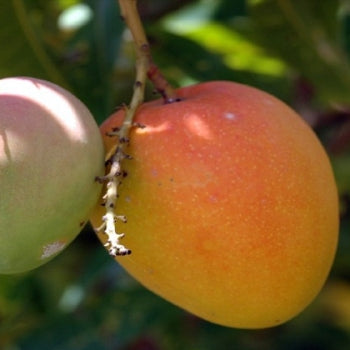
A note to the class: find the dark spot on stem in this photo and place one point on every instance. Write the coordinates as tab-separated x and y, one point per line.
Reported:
99	179
124	140
139	125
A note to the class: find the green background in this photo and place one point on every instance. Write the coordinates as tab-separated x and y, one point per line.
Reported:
297	50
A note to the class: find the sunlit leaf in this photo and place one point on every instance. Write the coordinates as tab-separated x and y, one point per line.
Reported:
200	63
237	52
305	35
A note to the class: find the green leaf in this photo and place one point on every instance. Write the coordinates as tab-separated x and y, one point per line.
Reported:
22	51
90	55
306	34
198	62
82	61
341	167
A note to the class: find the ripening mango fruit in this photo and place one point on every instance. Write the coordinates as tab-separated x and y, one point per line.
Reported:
51	151
231	204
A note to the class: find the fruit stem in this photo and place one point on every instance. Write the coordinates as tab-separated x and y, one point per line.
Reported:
144	58
145	67
117	154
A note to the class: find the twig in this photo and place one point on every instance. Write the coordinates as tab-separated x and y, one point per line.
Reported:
115	157
118	153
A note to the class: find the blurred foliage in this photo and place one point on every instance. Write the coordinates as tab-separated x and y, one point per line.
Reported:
298	50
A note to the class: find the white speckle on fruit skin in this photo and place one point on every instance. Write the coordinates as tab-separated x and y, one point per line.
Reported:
268	102
230	116
51	249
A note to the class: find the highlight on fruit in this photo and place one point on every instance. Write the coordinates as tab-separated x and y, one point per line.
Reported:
231	205
51	152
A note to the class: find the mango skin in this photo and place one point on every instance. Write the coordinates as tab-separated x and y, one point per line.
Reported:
51	151
231	203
